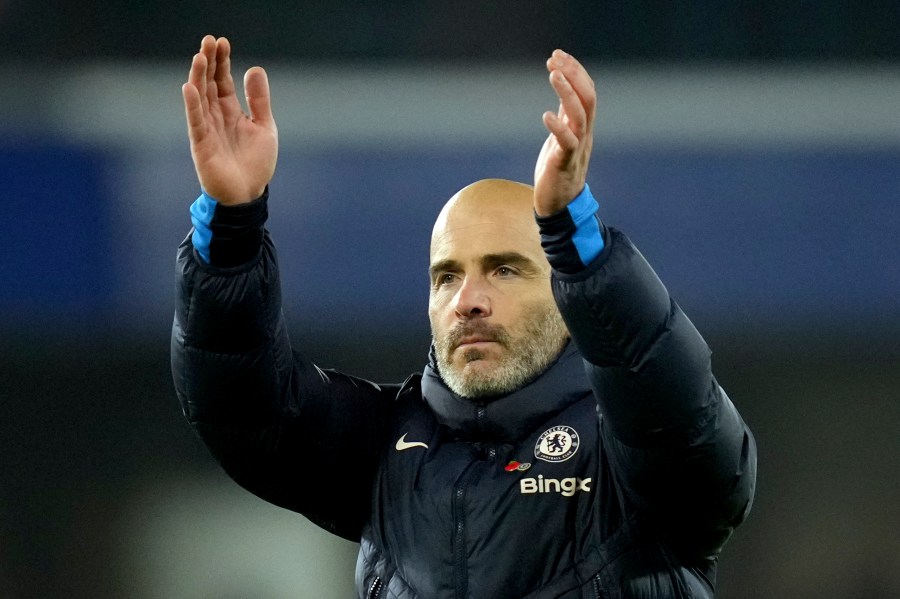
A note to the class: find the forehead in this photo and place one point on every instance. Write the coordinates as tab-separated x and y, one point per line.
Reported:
467	231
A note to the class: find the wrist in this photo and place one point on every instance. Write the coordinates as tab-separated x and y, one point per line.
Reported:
565	192
228	235
231	197
573	237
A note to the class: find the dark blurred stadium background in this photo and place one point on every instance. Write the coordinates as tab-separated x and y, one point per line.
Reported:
751	149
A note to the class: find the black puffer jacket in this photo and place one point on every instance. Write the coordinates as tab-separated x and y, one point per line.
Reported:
619	472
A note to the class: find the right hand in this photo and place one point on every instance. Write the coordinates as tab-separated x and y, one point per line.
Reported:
234	153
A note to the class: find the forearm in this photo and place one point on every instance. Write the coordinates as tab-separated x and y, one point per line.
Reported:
616	307
230	349
612	301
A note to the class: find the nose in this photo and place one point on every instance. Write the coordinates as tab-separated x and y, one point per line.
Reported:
473	299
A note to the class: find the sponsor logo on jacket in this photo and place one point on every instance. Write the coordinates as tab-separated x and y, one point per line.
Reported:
564	486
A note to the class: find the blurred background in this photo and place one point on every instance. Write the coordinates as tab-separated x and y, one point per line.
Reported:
750	149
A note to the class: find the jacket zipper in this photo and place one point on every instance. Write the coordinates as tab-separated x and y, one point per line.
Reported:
460	563
375	588
598	591
459	537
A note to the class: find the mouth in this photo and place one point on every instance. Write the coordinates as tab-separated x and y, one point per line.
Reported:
474	341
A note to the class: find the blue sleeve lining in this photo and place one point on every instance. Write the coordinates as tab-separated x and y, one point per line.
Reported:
202	212
588	237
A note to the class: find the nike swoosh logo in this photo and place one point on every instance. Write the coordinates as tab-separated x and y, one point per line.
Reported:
402	443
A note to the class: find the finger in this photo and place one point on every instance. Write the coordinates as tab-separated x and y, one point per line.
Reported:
574	71
197	76
565	138
578	78
208	49
193	112
224	81
256	89
571	106
225	90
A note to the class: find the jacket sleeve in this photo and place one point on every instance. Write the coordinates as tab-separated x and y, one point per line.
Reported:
677	445
298	436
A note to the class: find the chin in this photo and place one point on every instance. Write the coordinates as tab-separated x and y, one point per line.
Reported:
476	367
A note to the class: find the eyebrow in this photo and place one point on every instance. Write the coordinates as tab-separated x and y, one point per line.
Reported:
488	261
511	258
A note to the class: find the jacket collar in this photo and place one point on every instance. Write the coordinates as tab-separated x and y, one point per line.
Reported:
508	417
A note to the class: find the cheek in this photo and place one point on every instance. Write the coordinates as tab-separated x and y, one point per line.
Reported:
438	303
435	312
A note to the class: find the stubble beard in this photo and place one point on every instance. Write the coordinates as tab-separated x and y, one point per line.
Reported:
524	357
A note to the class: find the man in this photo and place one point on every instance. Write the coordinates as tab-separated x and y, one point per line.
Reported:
567	437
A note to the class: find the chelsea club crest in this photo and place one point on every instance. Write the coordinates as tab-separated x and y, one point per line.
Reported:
556	444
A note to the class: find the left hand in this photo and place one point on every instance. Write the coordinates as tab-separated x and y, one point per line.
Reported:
562	165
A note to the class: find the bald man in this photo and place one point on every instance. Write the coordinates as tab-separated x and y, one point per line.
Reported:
567	437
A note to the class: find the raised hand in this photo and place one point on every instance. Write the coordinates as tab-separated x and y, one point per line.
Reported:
234	153
562	165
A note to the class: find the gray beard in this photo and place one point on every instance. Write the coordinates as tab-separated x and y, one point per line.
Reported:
526	357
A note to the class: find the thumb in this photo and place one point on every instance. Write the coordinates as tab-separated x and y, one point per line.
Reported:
256	89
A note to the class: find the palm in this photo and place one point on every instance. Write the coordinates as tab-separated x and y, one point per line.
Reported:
236	158
234	153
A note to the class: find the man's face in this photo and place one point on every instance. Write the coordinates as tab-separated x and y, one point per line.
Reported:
494	322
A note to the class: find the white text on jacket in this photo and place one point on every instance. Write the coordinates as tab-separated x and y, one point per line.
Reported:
566	487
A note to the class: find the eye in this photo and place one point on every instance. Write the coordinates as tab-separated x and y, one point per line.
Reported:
505	271
444	278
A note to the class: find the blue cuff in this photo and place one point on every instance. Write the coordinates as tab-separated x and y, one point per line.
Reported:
202	211
587	238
